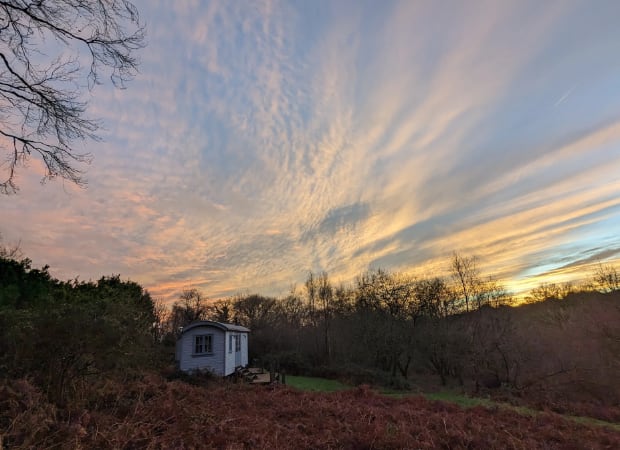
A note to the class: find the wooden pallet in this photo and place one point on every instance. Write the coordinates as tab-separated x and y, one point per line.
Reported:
257	375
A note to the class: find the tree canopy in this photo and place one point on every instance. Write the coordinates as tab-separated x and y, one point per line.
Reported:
61	334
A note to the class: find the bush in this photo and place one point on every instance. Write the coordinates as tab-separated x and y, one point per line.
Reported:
90	329
195	377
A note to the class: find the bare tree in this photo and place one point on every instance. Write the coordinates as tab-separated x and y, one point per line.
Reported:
465	274
44	46
221	311
546	291
493	293
11	252
475	290
385	305
190	307
161	313
434	298
311	290
607	278
326	296
254	311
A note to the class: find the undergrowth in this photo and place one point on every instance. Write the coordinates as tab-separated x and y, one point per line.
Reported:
155	413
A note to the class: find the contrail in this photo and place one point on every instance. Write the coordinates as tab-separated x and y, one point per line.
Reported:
565	96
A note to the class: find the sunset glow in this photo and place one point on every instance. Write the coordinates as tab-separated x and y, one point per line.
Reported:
264	139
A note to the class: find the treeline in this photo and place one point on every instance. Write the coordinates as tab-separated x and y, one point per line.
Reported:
64	335
391	328
385	328
81	362
370	324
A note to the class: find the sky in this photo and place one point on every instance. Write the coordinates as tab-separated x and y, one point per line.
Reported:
262	140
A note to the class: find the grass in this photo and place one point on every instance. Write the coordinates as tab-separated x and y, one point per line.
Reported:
315	384
459	399
326	385
469	402
591	421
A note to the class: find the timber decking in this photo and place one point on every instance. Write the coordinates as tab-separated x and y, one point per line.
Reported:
257	375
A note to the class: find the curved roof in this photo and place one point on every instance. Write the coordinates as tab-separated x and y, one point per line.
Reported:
221	326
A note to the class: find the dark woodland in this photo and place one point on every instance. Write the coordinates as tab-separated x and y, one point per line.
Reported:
91	364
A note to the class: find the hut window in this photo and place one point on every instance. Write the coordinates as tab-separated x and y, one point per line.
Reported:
203	344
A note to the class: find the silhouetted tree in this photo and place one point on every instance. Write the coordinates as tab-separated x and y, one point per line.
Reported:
465	274
439	342
384	304
546	291
434	298
326	299
191	306
473	288
607	278
221	311
259	314
42	47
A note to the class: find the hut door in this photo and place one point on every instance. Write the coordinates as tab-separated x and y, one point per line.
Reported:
237	350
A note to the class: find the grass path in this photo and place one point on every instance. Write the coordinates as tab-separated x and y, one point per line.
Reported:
315	384
470	402
326	385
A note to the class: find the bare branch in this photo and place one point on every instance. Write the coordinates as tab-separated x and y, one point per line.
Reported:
41	111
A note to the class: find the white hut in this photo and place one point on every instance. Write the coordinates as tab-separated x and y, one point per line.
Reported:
220	348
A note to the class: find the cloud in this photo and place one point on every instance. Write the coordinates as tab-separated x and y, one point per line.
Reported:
265	139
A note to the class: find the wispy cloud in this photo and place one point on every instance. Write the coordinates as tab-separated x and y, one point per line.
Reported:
265	139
